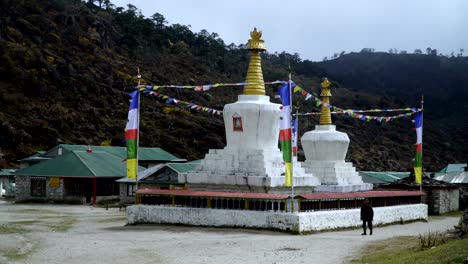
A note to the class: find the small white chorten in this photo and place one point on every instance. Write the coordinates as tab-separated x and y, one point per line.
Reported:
325	151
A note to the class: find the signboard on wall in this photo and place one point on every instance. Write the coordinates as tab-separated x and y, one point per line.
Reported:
54	182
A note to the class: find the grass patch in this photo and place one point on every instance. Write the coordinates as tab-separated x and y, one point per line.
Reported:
26	222
12	229
20	252
449	214
63	224
454	213
113	219
406	250
35	211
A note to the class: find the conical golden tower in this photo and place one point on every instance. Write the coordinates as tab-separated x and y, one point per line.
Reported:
325	115
254	73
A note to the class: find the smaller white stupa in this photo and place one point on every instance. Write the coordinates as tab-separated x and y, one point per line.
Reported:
325	152
251	160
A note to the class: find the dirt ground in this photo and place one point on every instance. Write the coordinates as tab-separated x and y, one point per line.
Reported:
38	233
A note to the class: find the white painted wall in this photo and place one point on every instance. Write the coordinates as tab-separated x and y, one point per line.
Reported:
297	222
323	220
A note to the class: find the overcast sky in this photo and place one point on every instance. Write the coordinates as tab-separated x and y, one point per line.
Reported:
316	29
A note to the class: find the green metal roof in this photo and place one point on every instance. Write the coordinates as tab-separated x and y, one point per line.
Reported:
195	161
79	164
368	179
182	167
383	177
454	177
177	167
34	157
144	154
454	167
7	172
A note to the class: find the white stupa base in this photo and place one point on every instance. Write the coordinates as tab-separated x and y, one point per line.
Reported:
333	172
336	176
245	167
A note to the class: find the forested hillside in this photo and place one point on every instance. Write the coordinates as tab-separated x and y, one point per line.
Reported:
66	67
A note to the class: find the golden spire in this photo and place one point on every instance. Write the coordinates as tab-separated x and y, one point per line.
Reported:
254	73
325	115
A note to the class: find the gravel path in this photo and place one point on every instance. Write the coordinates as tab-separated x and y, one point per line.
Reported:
84	234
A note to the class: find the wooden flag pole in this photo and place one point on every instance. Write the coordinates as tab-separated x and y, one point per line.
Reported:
138	130
292	159
422	171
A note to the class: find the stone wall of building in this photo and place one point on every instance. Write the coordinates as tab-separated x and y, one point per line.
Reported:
295	222
23	188
54	192
124	198
444	200
463	201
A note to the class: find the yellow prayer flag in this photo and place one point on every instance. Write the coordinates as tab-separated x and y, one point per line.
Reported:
288	175
418	174
131	168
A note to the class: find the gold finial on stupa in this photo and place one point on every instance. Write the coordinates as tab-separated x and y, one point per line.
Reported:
254	73
325	115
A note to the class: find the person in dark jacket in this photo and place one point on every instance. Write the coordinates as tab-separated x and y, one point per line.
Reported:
367	215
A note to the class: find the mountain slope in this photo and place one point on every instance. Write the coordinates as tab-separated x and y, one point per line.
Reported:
66	68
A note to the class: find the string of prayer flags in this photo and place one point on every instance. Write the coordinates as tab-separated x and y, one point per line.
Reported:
174	101
362	117
200	88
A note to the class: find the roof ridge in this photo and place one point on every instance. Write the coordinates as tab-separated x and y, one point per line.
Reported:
169	165
86	164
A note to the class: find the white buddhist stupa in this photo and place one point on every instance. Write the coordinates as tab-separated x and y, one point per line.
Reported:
242	185
325	151
251	160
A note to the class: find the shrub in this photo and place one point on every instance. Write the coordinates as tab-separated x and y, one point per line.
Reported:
432	239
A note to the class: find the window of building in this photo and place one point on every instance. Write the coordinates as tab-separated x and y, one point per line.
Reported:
38	187
237	123
131	189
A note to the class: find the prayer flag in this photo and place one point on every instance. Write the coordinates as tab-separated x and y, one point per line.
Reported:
285	131
131	136
418	122
294	136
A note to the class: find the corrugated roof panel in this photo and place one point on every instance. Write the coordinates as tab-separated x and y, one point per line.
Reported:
454	177
456	167
79	164
151	153
386	176
7	171
64	165
102	164
373	180
183	167
144	154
